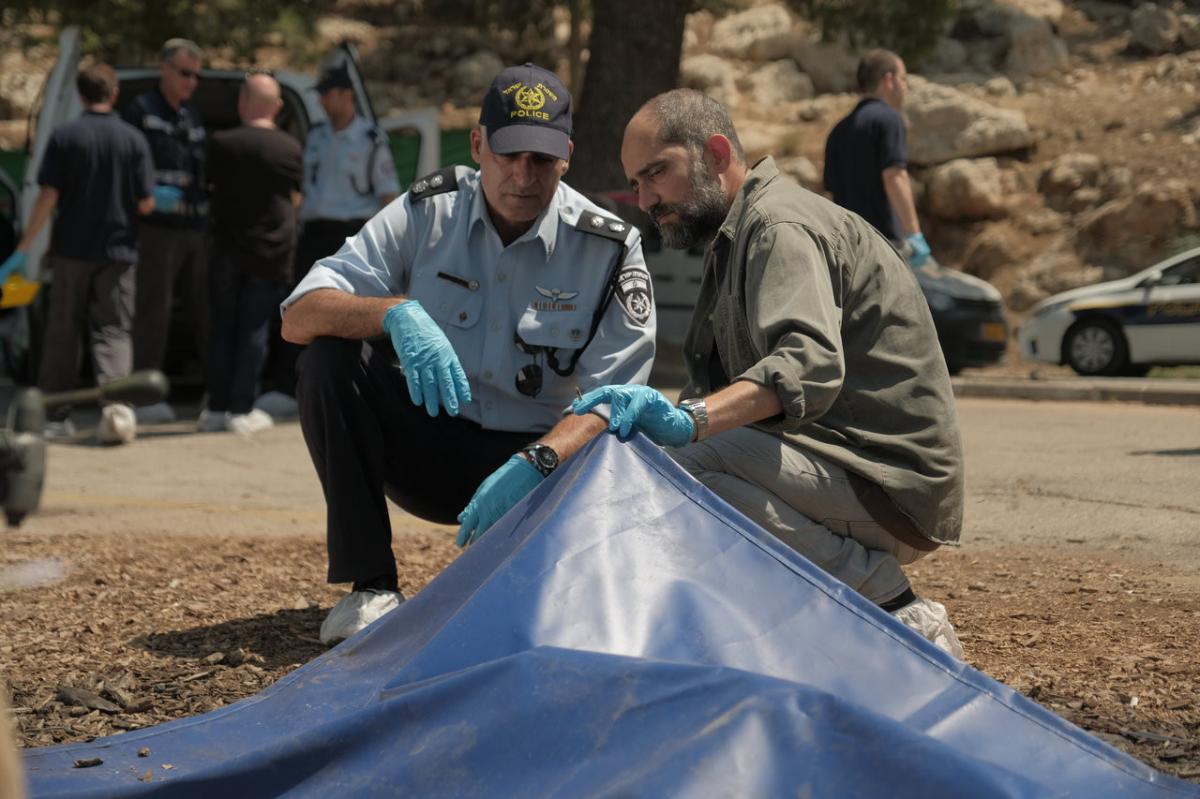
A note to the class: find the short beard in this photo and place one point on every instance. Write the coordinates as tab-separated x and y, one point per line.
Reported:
699	216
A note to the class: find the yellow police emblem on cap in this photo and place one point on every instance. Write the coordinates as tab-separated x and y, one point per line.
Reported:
530	98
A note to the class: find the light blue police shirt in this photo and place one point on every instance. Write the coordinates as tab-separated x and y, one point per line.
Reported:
443	251
342	179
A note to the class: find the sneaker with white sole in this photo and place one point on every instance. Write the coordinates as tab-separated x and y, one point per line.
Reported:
355	611
212	421
247	424
118	425
277	405
158	413
929	618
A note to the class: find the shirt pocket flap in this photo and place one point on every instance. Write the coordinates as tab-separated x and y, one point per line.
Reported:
554	329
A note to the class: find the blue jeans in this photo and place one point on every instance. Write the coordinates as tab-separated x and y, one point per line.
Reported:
241	309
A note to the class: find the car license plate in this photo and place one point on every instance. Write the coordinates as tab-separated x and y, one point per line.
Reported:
993	331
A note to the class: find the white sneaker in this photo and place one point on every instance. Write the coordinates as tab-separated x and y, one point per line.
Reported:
212	421
930	620
158	413
118	425
277	405
247	424
355	611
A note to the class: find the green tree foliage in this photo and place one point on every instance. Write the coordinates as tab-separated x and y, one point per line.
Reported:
908	27
132	31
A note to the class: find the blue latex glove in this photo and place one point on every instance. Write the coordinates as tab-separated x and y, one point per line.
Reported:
431	368
919	250
503	488
13	263
166	198
643	408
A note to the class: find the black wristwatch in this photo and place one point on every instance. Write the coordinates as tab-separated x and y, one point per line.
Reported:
543	458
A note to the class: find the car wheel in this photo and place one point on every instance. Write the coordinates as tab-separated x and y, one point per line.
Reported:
1095	347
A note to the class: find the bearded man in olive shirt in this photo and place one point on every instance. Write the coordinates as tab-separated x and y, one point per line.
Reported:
818	403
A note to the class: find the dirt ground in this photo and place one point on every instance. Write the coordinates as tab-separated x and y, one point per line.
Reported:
144	631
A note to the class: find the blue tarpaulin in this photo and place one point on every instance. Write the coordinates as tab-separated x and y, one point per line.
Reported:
622	632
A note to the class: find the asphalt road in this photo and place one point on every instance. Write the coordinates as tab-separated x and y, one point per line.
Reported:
1119	477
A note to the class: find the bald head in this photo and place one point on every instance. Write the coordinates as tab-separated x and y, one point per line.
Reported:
259	100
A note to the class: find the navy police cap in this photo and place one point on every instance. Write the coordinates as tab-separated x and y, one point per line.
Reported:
527	109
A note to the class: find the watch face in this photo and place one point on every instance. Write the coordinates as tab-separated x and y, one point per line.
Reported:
544	458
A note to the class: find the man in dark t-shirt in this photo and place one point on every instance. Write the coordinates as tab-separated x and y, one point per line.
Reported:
97	173
866	157
255	172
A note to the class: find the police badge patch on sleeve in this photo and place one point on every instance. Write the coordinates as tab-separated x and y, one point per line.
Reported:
633	292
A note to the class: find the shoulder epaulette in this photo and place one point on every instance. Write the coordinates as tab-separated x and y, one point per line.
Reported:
439	182
605	226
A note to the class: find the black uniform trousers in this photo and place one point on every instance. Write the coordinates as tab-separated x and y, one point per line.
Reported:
318	238
369	441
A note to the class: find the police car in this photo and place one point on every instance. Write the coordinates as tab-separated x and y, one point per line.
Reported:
216	100
1122	327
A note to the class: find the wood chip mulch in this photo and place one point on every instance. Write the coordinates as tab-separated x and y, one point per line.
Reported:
144	631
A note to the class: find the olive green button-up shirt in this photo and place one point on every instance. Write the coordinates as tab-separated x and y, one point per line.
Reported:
808	299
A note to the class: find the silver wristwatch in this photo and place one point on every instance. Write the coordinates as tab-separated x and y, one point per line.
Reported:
698	410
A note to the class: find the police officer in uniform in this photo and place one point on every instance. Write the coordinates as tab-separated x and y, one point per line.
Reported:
349	175
172	245
500	292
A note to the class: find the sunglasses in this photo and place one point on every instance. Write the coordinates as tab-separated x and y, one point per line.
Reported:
529	377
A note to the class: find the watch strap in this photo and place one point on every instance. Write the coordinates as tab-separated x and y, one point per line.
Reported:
542	457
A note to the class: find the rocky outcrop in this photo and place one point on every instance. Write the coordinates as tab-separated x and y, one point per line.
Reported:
778	82
831	65
1154	29
945	124
1136	229
710	74
966	189
759	34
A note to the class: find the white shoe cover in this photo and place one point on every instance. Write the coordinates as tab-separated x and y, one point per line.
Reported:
930	620
248	424
118	425
355	611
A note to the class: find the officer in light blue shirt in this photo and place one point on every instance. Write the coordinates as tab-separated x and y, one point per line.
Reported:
502	292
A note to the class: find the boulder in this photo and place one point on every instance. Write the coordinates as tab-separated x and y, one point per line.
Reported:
779	82
945	124
1034	49
712	75
760	34
1132	231
947	57
831	65
1067	174
966	189
471	76
1000	86
991	252
1154	29
1189	31
1050	11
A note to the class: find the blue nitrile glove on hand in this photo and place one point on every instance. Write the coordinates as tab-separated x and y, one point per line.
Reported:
13	263
166	198
640	407
430	366
495	496
919	250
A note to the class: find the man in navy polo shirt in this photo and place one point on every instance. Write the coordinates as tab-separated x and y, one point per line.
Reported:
866	157
98	175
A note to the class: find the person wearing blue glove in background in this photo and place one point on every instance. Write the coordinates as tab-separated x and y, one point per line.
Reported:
866	156
817	400
173	246
96	178
499	293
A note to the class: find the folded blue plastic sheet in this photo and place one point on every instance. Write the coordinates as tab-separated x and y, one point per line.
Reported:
621	632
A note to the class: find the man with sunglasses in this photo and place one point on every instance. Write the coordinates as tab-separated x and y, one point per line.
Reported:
171	246
502	292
